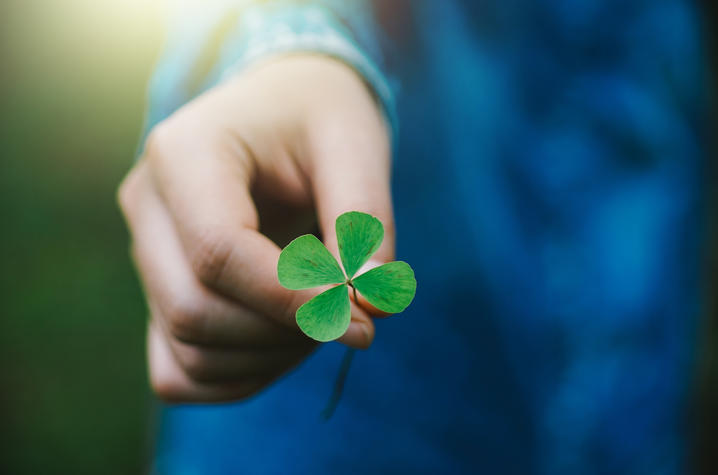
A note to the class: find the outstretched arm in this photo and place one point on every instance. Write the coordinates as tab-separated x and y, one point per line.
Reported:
246	164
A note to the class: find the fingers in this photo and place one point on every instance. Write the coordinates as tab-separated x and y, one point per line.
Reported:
207	194
205	189
231	364
172	384
192	313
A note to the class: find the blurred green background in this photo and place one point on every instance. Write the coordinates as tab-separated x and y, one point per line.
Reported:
73	391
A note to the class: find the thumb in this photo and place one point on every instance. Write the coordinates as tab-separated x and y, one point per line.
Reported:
351	172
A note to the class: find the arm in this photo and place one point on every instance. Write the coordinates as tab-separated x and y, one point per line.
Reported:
290	136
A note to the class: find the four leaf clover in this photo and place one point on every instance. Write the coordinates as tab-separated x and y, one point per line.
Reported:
305	263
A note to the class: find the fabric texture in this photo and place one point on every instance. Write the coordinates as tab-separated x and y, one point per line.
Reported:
258	31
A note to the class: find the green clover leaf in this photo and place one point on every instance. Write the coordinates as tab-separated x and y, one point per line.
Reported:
389	287
305	263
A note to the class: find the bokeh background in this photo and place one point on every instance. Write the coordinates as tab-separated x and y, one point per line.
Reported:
73	391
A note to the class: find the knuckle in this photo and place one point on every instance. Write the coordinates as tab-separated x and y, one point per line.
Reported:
166	388
159	138
126	191
196	364
209	257
186	319
165	383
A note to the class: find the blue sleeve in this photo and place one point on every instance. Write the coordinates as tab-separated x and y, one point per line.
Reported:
344	30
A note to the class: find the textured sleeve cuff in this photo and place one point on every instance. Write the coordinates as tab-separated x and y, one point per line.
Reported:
267	30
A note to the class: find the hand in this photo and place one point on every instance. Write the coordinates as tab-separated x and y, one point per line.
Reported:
222	183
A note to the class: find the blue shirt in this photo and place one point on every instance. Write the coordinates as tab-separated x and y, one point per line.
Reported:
549	193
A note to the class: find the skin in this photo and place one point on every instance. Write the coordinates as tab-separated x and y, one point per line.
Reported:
224	182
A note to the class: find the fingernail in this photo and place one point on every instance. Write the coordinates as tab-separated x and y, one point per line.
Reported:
370	264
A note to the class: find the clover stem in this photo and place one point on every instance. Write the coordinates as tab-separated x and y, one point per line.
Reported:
339	384
354	291
342	374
